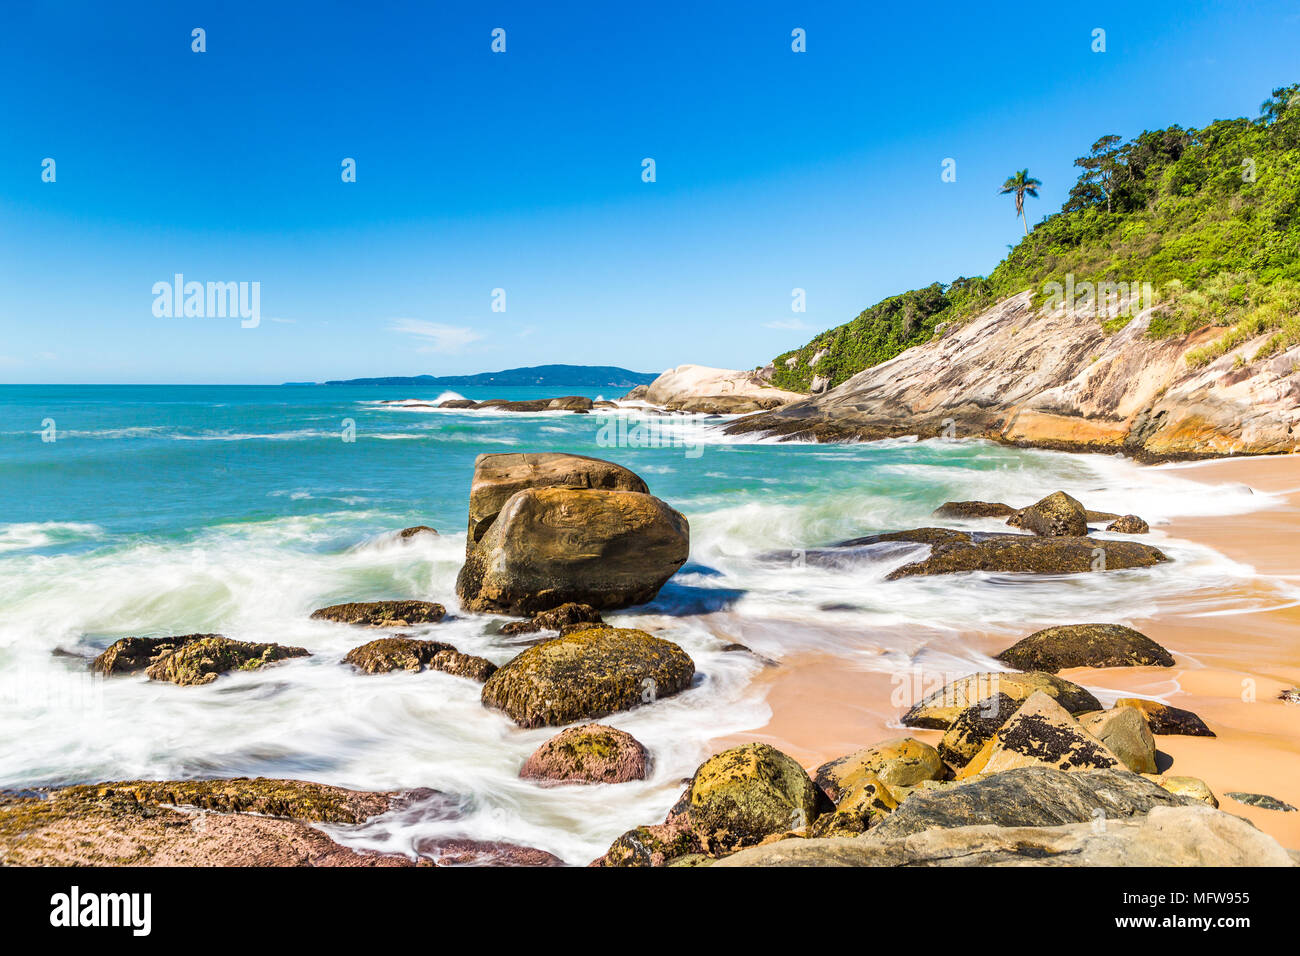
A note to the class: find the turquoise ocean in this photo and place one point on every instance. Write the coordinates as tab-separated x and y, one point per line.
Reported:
161	510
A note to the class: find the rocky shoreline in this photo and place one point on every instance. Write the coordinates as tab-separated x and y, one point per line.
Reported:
1031	767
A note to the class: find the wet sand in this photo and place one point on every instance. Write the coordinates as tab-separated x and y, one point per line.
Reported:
1229	668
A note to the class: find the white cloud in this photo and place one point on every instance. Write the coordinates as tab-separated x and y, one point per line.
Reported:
793	324
438	336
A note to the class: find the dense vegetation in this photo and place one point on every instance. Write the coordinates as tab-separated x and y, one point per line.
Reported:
1208	217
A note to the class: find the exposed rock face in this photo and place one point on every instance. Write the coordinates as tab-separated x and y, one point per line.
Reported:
1163	719
405	653
458	852
974	509
1085	645
1125	733
382	613
974	727
592	753
1041	733
697	388
1195	836
1129	524
744	794
204	660
1058	380
545	530
959	552
940	709
1029	797
903	762
1056	516
132	654
588	674
250	823
556	619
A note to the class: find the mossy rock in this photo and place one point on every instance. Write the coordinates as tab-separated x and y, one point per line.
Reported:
593	753
1041	734
1129	524
556	619
744	794
203	661
659	845
382	613
408	654
1057	515
973	509
861	806
958	552
1085	645
132	654
901	762
940	709
586	675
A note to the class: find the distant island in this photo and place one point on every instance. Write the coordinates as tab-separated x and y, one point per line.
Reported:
582	376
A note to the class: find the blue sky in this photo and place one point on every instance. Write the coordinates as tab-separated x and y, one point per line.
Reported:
522	171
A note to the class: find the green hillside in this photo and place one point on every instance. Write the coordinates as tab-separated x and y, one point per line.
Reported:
1208	217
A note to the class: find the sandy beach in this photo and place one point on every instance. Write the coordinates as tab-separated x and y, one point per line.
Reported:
1230	665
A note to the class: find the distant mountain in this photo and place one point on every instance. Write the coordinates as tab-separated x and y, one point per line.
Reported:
578	376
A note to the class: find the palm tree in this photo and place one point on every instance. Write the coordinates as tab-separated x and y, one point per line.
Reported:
1022	184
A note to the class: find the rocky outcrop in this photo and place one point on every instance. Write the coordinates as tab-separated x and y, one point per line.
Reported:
958	552
1057	379
242	822
1195	836
132	654
1030	797
698	388
445	851
415	531
1129	524
1085	645
937	711
556	619
592	753
565	403
1163	719
408	654
382	613
1261	800
974	509
204	660
587	674
549	529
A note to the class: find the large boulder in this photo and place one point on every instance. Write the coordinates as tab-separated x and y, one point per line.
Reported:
1085	645
132	654
203	661
938	710
1125	733
587	674
1041	733
592	753
1193	836
744	794
382	613
974	727
545	530
239	822
903	762
861	806
698	388
1163	719
1030	797
1058	515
